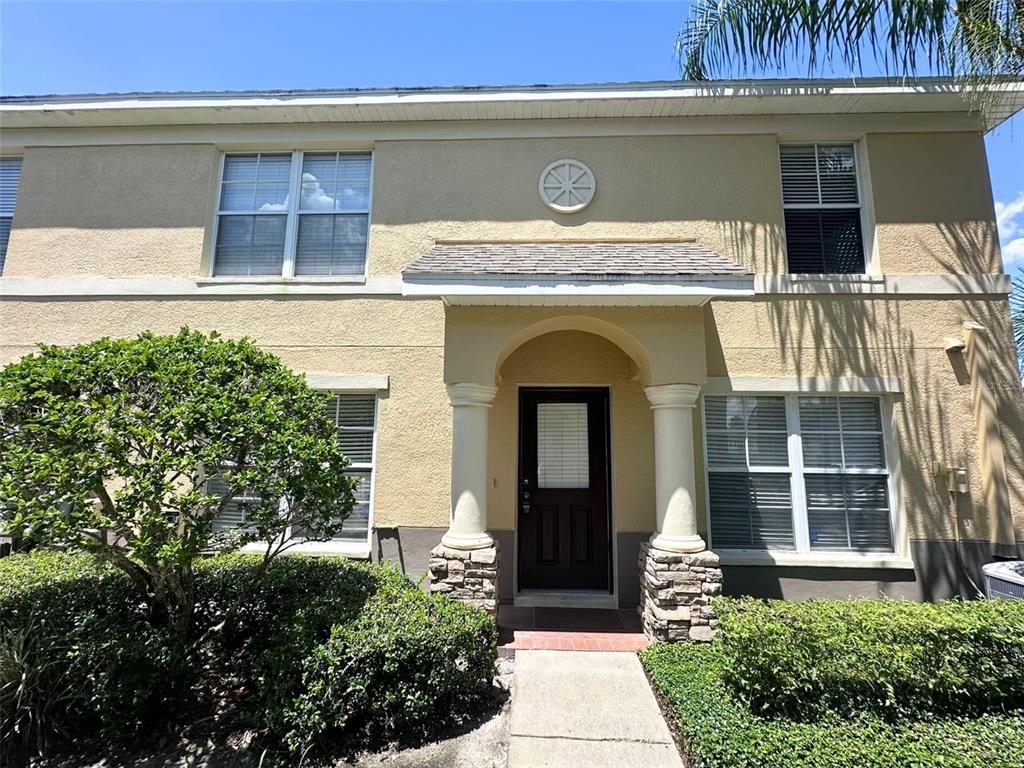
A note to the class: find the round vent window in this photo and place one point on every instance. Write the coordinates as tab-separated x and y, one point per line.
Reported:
567	186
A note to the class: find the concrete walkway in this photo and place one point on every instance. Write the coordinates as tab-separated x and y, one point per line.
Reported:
573	709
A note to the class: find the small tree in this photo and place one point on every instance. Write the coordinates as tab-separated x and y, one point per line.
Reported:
131	448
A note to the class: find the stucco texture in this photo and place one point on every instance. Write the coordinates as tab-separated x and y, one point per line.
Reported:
905	339
127	211
933	203
399	338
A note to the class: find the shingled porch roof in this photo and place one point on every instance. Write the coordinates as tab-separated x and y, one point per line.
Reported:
580	259
575	272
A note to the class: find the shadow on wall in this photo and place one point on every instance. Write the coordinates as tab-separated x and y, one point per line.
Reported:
822	336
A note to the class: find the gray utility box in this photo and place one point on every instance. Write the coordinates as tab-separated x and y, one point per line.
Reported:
1005	579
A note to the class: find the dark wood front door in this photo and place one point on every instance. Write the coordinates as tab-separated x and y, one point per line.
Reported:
563	489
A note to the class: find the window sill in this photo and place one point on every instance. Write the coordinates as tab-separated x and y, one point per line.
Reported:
815	560
278	280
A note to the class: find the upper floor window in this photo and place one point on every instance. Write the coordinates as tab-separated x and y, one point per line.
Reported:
295	213
822	208
798	473
10	177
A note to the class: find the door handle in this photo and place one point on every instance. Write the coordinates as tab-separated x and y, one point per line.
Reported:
525	502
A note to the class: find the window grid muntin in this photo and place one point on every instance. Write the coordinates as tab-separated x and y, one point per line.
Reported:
292	212
858	206
799	502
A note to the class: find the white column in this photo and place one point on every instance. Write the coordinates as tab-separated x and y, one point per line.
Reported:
674	473
471	404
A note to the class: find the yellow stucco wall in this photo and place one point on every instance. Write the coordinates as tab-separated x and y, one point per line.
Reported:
119	211
400	338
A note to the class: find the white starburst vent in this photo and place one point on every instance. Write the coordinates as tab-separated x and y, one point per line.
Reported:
567	186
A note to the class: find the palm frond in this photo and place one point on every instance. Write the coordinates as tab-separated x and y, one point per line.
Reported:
1017	317
978	40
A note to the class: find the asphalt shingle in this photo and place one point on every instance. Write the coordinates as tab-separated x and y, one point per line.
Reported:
574	259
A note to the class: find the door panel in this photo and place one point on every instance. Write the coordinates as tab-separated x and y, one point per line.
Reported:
563	521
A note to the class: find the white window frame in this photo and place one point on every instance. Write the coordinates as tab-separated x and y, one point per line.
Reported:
803	555
292	213
860	169
17	194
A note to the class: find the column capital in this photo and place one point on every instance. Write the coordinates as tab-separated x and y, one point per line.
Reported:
480	395
673	395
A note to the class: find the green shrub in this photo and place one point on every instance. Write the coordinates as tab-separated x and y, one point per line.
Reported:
408	665
80	663
78	658
890	658
717	730
258	638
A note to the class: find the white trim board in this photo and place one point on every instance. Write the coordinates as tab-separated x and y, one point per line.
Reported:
815	560
888	285
348	382
718	385
189	287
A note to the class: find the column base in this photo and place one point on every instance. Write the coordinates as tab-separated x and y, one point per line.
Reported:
678	543
467	541
675	594
469	575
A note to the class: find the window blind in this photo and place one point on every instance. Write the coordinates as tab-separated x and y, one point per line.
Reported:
838	486
356	417
563	451
302	213
822	209
748	472
10	179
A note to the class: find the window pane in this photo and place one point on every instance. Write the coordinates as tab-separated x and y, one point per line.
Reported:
848	513
232	517
746	431
727	449
799	174
250	245
824	241
335	181
271	197
316	195
837	174
353	183
822	450
357	445
331	245
357	524
768	449
237	196
241	167
275	168
563	452
751	511
354	410
10	178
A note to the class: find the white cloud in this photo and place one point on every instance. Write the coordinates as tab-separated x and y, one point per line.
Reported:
1010	220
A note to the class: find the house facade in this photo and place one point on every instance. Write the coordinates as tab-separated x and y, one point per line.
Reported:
579	338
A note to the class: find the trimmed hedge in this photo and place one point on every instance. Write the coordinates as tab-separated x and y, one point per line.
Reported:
80	664
717	730
410	664
893	659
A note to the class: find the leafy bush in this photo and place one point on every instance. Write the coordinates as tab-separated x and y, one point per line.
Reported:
78	658
258	637
409	664
148	439
80	662
890	658
717	730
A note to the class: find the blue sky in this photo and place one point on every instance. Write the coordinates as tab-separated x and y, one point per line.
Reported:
74	47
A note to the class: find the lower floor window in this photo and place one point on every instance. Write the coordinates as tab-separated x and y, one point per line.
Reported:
355	416
798	473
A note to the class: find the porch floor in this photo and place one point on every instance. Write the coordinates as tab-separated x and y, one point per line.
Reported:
568	629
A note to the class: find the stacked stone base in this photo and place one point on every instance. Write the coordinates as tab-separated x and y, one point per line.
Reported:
675	593
467	575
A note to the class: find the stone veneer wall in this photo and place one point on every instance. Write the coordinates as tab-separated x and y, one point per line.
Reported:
675	592
467	575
